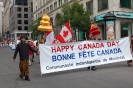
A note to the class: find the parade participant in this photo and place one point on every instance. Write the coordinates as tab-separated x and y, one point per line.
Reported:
129	62
72	40
93	67
23	49
37	46
13	46
2	44
31	53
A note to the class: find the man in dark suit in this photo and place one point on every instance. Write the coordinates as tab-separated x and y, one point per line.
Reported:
23	49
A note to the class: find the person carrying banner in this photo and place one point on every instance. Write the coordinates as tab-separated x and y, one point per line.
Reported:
23	49
37	46
93	67
129	62
31	53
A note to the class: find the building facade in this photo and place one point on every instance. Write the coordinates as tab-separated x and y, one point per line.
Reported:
2	0
50	7
1	13
122	9
20	18
6	15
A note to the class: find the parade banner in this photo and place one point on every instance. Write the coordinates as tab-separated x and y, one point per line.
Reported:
68	56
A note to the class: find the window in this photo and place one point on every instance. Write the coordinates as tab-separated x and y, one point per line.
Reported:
125	3
36	17
60	2
25	28
43	1
25	9
65	1
55	5
41	14
36	7
25	21
44	11
102	5
19	28
19	15
51	8
31	7
40	3
126	29
47	10
89	6
19	22
25	3
19	3
25	15
19	9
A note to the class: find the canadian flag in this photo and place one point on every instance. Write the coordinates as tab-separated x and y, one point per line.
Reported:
50	37
65	34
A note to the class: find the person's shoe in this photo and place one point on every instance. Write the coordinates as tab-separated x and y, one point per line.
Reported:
32	61
94	69
88	68
129	64
27	78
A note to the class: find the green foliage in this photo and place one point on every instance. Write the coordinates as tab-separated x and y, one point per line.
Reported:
34	26
76	14
1	39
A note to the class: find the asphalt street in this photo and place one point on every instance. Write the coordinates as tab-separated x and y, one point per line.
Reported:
117	75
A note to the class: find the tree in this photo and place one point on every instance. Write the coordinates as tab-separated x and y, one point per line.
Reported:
76	14
34	26
1	39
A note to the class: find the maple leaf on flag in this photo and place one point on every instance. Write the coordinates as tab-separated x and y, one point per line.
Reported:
65	33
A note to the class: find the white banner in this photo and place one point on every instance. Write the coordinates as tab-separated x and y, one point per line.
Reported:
67	56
